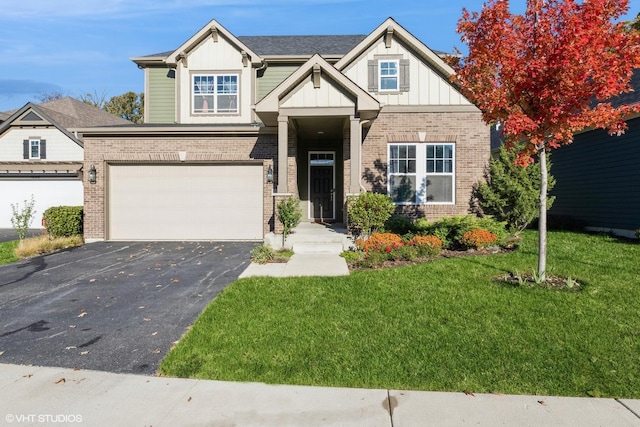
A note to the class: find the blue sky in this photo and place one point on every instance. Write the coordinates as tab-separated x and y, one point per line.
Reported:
77	47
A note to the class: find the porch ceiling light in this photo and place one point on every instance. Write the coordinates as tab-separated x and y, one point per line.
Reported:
92	174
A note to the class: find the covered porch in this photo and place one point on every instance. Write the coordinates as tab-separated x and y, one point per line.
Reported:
320	115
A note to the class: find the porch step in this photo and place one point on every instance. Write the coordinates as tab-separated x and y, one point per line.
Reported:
309	237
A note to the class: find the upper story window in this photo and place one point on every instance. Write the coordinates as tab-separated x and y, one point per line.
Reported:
388	75
215	93
34	148
422	173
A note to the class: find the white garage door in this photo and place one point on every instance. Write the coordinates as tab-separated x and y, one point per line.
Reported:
46	193
185	202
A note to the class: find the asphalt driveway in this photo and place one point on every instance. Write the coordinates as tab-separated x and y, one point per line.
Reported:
8	234
116	307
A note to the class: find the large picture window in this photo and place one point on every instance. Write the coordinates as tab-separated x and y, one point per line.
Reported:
215	93
422	173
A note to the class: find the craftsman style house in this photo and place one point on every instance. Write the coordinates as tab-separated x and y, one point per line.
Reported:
41	154
234	124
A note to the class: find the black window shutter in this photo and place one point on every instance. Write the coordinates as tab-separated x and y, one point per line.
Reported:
43	148
373	75
404	75
25	149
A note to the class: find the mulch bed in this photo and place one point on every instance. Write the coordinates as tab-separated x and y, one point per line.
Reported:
524	280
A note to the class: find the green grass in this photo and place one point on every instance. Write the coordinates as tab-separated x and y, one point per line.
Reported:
443	325
7	252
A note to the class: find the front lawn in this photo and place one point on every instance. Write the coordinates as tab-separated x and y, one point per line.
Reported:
7	252
442	325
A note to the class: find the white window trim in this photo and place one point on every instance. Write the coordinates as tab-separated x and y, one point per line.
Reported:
31	141
380	76
421	173
214	94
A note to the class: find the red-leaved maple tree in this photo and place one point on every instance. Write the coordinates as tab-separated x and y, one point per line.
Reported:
547	74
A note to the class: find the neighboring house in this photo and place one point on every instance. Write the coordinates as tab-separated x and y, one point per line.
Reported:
598	175
325	116
41	154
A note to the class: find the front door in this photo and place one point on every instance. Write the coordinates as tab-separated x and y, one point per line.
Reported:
322	205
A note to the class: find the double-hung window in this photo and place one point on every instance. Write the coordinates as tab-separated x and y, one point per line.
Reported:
421	173
215	93
34	148
388	75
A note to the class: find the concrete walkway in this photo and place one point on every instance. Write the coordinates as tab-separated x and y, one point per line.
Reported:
32	396
316	248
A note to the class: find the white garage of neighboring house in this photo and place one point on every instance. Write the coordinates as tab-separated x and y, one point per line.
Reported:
42	156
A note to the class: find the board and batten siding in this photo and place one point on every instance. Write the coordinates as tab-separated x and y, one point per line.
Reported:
160	100
272	77
327	95
219	57
598	179
426	86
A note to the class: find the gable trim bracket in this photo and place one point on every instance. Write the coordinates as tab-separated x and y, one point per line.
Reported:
388	37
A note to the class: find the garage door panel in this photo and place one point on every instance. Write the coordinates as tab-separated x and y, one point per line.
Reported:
185	202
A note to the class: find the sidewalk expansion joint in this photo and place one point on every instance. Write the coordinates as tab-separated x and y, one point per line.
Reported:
628	408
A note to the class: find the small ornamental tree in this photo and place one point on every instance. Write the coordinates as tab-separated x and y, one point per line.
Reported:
510	192
548	74
22	218
289	214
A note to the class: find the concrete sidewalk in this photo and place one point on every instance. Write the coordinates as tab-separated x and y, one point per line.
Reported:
33	396
301	264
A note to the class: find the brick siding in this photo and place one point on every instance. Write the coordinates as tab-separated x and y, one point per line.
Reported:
466	130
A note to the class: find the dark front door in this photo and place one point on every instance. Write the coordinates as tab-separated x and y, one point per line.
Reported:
321	186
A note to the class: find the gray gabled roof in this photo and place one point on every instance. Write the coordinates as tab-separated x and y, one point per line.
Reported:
302	45
325	45
71	113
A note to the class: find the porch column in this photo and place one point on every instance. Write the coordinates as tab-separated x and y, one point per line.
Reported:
356	148
283	154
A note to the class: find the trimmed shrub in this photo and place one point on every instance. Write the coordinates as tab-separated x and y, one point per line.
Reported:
399	224
368	212
478	239
451	229
427	246
63	221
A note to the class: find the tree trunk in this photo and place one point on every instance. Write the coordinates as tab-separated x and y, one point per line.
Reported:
542	219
